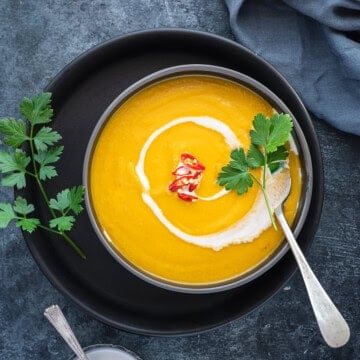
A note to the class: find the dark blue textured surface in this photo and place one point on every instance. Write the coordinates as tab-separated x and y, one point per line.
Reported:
37	38
314	44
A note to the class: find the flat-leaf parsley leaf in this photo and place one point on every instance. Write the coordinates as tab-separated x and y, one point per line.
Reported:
267	151
37	161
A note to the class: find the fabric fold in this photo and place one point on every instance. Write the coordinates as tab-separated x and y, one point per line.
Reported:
308	42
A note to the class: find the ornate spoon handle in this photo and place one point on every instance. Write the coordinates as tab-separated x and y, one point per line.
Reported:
333	326
58	320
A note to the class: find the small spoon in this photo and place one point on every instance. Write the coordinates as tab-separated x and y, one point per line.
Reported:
58	320
333	326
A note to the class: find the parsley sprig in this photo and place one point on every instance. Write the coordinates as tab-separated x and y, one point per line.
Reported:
37	161
267	151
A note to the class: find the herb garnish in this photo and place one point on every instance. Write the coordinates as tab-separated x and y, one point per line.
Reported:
36	161
267	150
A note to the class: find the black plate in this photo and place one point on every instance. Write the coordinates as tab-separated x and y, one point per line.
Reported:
81	92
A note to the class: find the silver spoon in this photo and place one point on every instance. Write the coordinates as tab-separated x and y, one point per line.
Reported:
56	317
333	326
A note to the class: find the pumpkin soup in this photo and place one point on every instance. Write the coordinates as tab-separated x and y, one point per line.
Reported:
153	181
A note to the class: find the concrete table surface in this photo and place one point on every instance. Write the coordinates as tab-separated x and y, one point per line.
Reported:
37	39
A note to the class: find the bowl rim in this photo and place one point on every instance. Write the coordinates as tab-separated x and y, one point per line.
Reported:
239	78
120	349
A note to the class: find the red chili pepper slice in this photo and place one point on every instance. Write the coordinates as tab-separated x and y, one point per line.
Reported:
187	197
191	161
177	184
181	183
181	171
194	182
193	187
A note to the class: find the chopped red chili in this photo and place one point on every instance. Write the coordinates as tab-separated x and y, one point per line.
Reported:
192	162
188	175
187	197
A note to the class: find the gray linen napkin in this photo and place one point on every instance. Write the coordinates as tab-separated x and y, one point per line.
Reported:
315	44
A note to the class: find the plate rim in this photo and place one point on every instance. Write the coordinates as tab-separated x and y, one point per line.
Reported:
200	328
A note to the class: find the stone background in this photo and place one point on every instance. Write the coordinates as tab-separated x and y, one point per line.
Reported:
38	38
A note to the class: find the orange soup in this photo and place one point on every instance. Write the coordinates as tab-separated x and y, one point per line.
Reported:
131	170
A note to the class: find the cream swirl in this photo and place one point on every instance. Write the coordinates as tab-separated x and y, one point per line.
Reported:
247	228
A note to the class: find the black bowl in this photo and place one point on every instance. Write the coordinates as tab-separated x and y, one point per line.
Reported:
277	104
